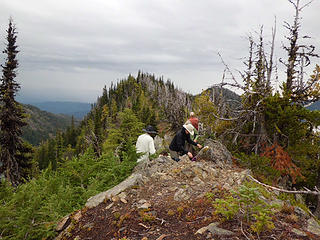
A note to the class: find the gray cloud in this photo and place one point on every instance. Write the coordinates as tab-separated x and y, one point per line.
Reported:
71	49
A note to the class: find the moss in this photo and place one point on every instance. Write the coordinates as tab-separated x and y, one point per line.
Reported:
170	212
122	219
293	201
287	209
116	215
292	218
146	216
180	210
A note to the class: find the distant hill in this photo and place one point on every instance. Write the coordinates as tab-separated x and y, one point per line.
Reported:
42	125
76	109
314	106
231	97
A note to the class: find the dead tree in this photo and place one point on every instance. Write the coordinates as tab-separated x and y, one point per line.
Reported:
256	81
256	88
297	89
296	86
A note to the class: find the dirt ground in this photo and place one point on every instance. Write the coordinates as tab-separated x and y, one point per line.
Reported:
166	219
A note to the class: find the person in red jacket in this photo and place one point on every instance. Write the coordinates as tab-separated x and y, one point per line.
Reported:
194	121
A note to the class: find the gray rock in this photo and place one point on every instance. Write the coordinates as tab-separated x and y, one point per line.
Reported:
109	206
184	159
167	138
300	212
197	180
313	226
88	225
226	186
162	159
158	143
299	198
77	216
298	232
204	175
145	206
202	230
94	201
142	201
213	229
63	223
216	152
218	231
230	181
215	185
188	172
181	195
277	202
245	173
172	189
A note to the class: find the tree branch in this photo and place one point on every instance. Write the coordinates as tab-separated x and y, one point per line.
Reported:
307	191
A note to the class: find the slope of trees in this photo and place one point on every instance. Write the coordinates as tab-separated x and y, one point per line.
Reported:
144	99
43	125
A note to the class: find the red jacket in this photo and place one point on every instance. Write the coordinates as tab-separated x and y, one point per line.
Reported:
194	121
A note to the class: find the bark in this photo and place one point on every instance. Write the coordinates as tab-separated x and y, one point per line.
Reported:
317	211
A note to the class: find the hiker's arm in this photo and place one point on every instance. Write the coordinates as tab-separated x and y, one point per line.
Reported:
193	143
152	149
190	141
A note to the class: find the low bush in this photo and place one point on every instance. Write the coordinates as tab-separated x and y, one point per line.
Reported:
246	205
32	210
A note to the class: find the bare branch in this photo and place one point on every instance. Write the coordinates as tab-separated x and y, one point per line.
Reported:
224	119
307	191
269	71
307	4
243	231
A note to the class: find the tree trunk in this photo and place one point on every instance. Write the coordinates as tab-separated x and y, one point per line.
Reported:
317	211
262	132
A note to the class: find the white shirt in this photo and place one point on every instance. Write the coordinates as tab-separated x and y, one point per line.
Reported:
145	144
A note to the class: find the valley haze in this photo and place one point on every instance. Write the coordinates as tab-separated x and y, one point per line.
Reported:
76	109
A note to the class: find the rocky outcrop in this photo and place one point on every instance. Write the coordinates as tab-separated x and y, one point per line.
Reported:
313	226
159	192
216	152
158	143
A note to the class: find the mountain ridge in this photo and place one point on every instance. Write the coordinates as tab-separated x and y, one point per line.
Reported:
76	109
43	125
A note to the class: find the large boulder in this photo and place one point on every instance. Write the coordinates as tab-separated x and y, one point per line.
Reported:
216	152
158	143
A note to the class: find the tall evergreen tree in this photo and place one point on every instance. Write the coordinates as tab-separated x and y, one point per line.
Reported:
11	115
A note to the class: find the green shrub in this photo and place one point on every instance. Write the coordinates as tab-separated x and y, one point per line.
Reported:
32	210
227	207
260	166
247	205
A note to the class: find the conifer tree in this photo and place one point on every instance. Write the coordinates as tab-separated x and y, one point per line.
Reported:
11	114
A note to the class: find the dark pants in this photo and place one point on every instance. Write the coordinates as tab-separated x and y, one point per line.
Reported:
175	155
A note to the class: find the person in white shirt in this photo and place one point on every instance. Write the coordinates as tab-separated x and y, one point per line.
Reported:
145	143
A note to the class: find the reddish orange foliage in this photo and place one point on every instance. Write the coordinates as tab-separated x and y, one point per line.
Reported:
281	161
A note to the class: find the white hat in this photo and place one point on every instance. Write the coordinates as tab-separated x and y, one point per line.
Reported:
189	128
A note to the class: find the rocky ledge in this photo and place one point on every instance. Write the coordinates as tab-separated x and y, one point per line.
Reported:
164	199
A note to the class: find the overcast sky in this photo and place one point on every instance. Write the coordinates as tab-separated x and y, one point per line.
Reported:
70	49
